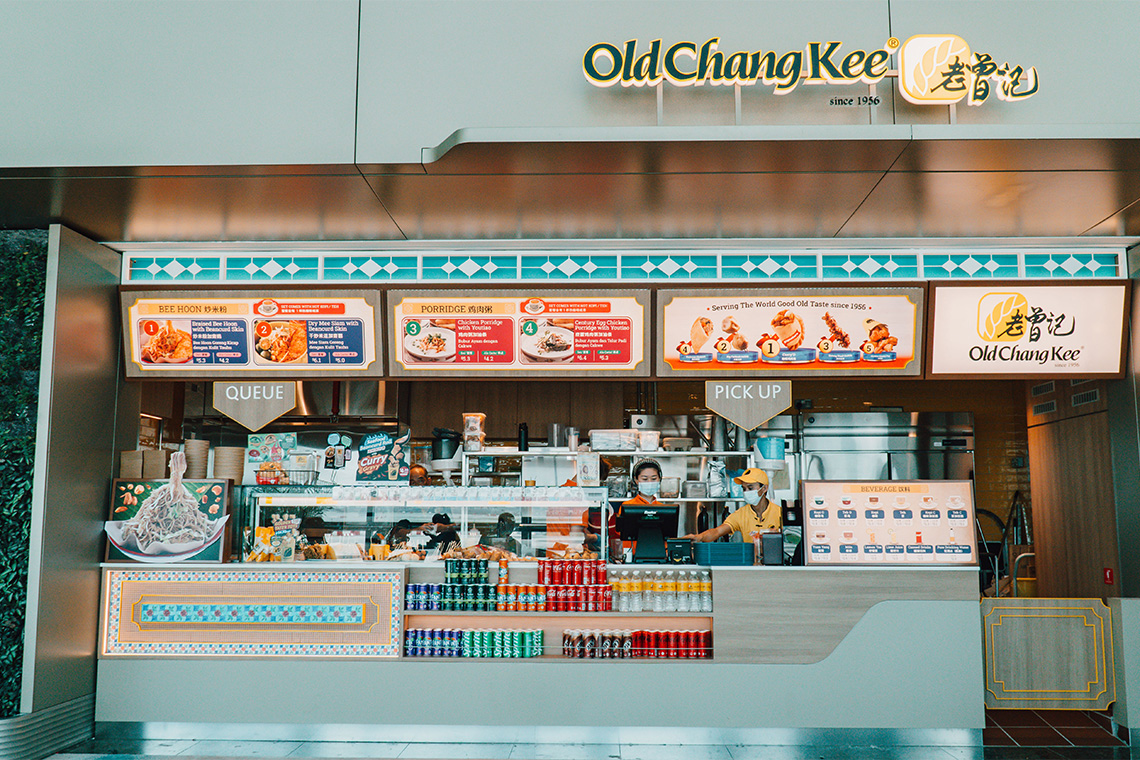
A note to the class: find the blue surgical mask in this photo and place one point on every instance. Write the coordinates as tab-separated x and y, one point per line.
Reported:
649	487
752	498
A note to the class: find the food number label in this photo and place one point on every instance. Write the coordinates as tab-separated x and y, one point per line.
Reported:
412	327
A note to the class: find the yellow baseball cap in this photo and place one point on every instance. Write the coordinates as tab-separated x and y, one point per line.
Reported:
752	475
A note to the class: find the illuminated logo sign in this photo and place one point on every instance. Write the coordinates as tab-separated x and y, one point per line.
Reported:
1001	317
932	69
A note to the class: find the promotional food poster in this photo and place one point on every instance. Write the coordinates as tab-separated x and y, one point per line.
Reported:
1014	329
383	459
891	522
165	521
243	334
552	334
792	332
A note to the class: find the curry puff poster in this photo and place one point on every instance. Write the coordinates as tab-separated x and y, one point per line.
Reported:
802	331
230	335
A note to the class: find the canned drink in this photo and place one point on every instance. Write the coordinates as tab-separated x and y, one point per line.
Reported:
706	647
575	572
514	644
531	598
588	572
605	645
567	643
501	597
478	643
590	644
607	598
523	598
673	649
600	571
431	642
449	571
435	596
540	599
591	598
539	643
467	643
409	643
579	644
692	641
542	569
526	643
486	598
504	571
625	652
512	598
421	596
580	598
558	572
482	579
409	597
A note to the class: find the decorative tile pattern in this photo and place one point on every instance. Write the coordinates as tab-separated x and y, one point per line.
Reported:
671	267
1072	264
174	268
281	597
861	265
371	268
970	266
569	266
769	266
275	268
612	265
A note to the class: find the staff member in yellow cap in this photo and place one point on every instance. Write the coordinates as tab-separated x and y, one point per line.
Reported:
755	517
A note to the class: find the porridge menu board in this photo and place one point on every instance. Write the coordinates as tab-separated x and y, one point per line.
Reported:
244	334
790	332
894	522
549	334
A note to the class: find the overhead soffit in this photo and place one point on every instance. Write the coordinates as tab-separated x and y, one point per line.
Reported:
761	189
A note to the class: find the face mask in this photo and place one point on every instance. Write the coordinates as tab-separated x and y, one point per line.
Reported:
649	487
752	498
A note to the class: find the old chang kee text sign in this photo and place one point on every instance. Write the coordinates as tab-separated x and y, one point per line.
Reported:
933	69
892	522
1016	329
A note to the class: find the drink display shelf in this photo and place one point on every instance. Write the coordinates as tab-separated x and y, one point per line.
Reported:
607	613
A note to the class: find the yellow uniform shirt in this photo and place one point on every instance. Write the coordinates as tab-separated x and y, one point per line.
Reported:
744	520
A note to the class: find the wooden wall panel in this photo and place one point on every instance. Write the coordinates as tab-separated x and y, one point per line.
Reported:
1074	512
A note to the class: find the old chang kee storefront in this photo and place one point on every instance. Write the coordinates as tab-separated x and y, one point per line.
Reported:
704	252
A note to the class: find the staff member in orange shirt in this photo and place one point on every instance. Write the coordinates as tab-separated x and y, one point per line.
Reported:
758	515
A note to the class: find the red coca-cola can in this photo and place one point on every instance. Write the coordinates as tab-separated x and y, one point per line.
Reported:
541	571
706	644
580	598
607	598
591	598
600	571
661	644
673	647
587	572
576	572
568	599
557	572
636	643
553	603
688	644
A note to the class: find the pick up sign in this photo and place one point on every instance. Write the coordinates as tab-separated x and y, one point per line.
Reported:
748	403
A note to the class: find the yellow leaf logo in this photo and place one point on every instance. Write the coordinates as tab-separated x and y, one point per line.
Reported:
932	69
1001	317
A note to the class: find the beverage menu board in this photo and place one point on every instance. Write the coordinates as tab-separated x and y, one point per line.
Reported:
241	334
892	522
549	334
790	332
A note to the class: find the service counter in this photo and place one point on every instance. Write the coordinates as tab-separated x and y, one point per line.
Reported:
314	651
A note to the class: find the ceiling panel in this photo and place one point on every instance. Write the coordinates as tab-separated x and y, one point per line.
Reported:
624	205
1020	155
988	204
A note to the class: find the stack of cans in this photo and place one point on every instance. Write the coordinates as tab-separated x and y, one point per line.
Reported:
450	642
616	645
465	588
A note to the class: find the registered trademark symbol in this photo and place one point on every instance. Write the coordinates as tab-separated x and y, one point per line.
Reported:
893	43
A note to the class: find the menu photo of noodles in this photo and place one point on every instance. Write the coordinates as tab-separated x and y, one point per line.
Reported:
279	341
169	520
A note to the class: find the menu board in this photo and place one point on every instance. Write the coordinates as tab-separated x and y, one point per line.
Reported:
1015	330
549	334
790	332
891	522
242	334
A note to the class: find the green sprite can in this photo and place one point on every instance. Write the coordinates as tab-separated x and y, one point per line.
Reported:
527	643
486	643
514	645
468	646
499	647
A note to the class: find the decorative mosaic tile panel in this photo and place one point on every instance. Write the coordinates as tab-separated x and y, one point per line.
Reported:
268	613
371	268
671	267
769	266
175	268
470	267
973	266
860	265
569	266
1070	265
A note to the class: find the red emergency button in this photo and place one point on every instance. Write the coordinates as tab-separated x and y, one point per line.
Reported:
1108	576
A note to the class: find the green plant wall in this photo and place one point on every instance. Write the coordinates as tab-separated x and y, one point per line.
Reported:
23	267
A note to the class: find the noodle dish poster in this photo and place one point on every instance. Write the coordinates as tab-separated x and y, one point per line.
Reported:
803	332
128	496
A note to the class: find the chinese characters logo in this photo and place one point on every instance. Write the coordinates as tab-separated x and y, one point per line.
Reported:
940	69
1008	317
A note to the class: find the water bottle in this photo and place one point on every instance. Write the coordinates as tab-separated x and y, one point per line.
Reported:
624	595
684	603
636	598
706	591
669	602
658	591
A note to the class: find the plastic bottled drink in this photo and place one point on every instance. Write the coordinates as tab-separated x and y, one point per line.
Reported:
658	592
706	591
623	592
635	591
669	601
683	593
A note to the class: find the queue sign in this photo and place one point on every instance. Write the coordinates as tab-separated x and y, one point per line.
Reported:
254	405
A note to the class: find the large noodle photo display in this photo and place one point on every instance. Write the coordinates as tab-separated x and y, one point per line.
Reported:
163	521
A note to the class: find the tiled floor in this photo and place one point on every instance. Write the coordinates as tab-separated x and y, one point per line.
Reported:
1009	735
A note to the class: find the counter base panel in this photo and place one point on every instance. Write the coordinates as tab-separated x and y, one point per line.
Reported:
928	677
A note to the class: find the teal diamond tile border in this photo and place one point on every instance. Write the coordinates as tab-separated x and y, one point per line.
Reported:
776	266
869	266
568	266
371	268
587	266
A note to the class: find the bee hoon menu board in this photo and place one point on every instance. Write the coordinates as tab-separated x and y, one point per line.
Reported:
893	522
549	334
790	332
248	333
